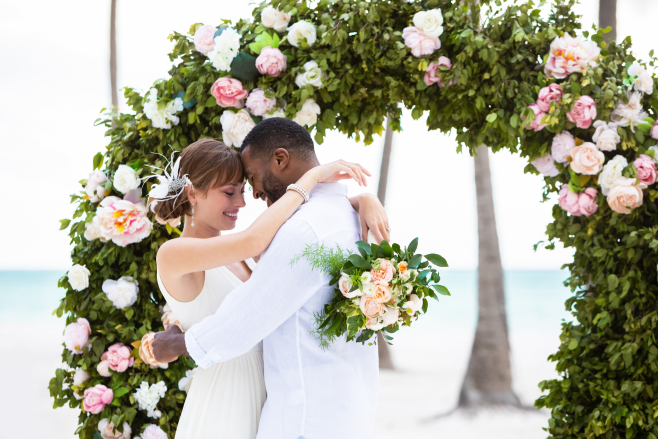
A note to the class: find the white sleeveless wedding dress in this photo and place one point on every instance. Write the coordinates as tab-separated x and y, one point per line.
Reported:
226	399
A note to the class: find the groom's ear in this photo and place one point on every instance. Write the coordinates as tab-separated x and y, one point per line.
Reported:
281	158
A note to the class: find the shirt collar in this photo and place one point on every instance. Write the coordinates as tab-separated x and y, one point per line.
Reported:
329	189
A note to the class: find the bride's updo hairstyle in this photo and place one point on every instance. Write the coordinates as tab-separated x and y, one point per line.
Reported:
209	164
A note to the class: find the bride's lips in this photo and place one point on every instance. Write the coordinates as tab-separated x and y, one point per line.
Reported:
232	215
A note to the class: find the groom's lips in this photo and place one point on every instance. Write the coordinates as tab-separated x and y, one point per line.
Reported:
232	215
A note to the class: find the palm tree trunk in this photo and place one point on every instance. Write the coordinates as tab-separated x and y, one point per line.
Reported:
488	379
608	17
385	361
113	55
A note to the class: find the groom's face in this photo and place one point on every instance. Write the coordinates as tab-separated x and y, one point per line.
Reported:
265	182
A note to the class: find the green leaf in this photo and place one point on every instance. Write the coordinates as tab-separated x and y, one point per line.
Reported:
441	290
437	260
573	344
98	161
359	262
491	117
120	392
64	224
364	246
388	251
413	246
415	261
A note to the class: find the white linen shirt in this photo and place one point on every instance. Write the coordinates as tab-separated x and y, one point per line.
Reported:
311	393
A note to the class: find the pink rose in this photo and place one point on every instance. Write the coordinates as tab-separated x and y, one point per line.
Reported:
259	104
419	43
271	61
625	195
370	306
583	113
96	398
587	201
204	39
547	95
229	92
536	124
587	159
108	431
153	432
646	169
385	272
431	76
546	166
76	336
562	145
569	200
118	357
654	131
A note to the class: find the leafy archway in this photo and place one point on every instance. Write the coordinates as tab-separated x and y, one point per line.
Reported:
507	76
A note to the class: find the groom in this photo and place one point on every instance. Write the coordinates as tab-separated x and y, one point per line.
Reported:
311	394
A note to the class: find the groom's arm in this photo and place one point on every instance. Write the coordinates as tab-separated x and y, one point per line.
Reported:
255	309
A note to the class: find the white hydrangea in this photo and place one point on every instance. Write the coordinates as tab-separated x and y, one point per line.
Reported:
312	75
643	82
308	115
629	114
147	397
185	382
227	46
162	117
95	189
122	292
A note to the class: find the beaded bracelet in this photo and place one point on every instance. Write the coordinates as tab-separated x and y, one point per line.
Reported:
300	190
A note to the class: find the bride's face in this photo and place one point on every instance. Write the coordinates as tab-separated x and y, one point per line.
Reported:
219	209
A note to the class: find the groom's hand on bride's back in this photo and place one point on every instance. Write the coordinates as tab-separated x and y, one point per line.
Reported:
169	344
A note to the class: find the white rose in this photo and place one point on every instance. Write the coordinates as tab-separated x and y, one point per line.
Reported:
546	166
414	304
185	382
312	75
606	136
227	46
308	115
375	324
345	285
123	292
644	81
276	112
430	22
94	190
92	230
80	376
611	172
78	277
655	153
236	126
301	30
125	179
275	19
103	369
391	316
405	275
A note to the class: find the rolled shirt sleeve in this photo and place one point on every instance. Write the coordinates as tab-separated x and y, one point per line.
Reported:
275	291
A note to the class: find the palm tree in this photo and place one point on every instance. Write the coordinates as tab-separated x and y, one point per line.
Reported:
385	361
608	17
488	379
113	55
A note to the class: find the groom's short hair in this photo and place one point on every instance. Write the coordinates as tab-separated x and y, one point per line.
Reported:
278	132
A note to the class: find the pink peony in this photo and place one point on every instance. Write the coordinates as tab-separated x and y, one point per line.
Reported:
536	124
569	200
76	336
646	169
546	166
153	432
124	221
431	76
547	95
587	201
654	131
419	43
583	113
96	398
118	357
204	39
562	145
103	369
271	62
229	92
569	55
259	104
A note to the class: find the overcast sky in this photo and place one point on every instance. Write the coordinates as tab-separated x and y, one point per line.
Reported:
55	79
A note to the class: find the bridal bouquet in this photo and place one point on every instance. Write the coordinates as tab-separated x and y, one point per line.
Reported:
380	289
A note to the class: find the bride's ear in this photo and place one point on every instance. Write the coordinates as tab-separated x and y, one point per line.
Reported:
191	194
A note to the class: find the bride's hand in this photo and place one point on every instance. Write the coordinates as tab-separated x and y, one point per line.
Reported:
340	170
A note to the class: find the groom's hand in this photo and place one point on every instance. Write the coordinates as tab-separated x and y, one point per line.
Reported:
169	344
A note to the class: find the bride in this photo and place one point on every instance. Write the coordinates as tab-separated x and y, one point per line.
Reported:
197	271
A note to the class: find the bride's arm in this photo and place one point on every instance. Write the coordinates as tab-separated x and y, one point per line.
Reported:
190	255
373	217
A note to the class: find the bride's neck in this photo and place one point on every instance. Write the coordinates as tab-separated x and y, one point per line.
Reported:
199	231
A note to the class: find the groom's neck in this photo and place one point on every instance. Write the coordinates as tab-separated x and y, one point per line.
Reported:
301	167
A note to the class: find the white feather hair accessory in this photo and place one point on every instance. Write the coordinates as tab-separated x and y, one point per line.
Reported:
170	184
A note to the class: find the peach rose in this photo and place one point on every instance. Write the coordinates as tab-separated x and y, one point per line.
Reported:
118	357
583	112
229	92
382	293
370	307
96	398
204	39
108	431
76	336
169	319
384	273
146	352
271	61
587	159
625	195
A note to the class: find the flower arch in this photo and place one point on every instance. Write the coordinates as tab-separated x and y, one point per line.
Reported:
578	110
